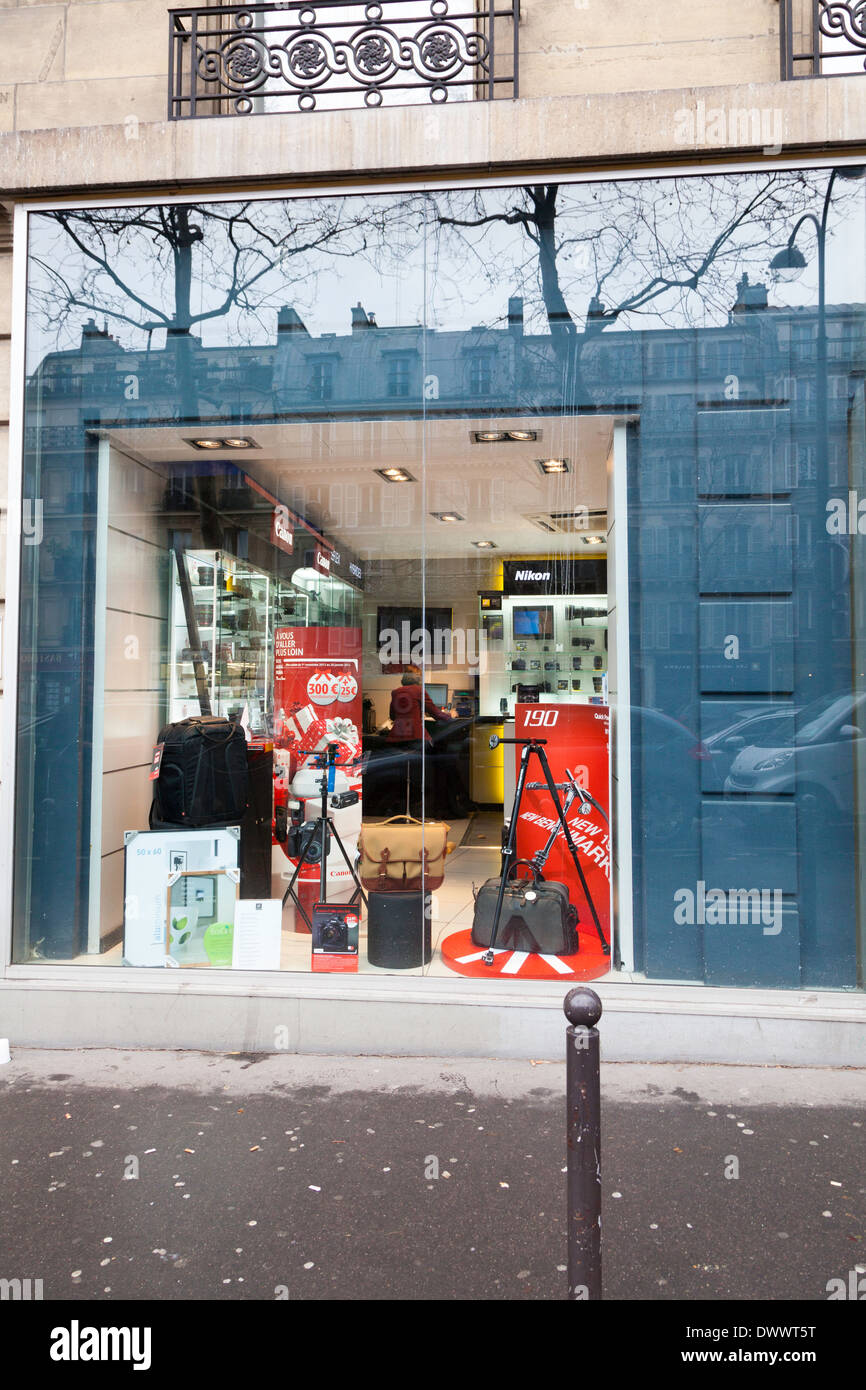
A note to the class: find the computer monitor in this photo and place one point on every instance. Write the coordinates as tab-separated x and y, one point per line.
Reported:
533	622
438	692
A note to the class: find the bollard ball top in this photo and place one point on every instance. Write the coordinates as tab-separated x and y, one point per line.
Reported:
582	1007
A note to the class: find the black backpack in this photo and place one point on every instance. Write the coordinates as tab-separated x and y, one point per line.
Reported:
203	774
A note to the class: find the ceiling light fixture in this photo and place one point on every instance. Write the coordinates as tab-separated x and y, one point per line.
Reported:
485	545
232	442
593	540
504	436
395	475
554	465
448	516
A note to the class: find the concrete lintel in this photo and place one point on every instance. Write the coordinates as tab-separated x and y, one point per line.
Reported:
772	119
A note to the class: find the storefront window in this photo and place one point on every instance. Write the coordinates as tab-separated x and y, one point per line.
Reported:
346	519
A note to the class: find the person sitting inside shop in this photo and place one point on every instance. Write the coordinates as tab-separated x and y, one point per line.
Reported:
410	705
405	711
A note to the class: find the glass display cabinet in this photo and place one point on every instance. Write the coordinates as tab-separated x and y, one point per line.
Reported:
230	600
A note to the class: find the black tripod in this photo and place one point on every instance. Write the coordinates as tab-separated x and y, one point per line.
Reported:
536	746
319	837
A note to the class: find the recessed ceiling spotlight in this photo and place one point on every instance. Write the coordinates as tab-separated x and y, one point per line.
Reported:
593	540
503	436
554	465
485	545
448	516
231	442
395	475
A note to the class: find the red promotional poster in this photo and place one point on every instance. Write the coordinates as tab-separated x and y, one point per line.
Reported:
317	695
317	702
578	750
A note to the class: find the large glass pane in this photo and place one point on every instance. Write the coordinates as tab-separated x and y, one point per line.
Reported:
382	481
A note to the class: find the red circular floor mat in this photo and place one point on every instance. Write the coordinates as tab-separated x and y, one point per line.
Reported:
460	954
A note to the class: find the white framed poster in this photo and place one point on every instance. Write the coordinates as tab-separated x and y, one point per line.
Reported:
191	873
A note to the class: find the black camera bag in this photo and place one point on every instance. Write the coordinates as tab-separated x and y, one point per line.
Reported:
545	924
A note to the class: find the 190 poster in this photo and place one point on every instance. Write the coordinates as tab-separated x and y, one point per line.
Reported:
577	743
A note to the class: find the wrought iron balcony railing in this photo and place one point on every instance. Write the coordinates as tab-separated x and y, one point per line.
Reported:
299	55
822	38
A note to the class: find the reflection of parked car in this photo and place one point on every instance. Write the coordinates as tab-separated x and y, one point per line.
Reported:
816	759
765	730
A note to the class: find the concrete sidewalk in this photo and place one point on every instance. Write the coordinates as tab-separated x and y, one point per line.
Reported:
154	1175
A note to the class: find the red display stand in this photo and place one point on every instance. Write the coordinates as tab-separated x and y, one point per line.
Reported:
461	955
576	744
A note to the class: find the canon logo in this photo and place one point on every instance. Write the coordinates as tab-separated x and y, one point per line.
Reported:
532	574
323	560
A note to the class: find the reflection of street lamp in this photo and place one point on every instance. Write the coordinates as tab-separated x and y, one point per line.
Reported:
786	261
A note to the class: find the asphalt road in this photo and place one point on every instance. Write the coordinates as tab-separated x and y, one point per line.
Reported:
137	1175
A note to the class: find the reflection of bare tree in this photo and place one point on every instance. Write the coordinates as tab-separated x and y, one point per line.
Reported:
592	255
143	267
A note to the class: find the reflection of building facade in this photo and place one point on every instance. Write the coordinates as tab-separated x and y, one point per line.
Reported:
714	454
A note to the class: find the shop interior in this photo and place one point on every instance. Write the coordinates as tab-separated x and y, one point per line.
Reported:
472	553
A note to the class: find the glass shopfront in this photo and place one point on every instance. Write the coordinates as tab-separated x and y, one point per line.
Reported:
368	537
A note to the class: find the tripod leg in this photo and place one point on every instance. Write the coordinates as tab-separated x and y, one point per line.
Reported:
548	776
290	891
508	852
349	865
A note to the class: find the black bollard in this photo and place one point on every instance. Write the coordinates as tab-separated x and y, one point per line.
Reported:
582	1008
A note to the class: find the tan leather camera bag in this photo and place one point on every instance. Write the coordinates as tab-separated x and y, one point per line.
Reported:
397	854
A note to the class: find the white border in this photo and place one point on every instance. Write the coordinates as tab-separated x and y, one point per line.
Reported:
264	190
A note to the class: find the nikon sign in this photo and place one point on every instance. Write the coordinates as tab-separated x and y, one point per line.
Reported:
564	575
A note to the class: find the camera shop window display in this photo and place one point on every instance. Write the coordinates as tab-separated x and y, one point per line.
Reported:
282	828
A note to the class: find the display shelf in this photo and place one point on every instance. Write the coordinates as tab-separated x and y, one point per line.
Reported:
231	600
561	661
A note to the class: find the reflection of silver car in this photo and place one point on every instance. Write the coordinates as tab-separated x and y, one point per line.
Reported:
815	757
768	729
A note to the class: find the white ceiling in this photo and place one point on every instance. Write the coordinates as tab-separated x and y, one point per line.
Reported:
326	471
